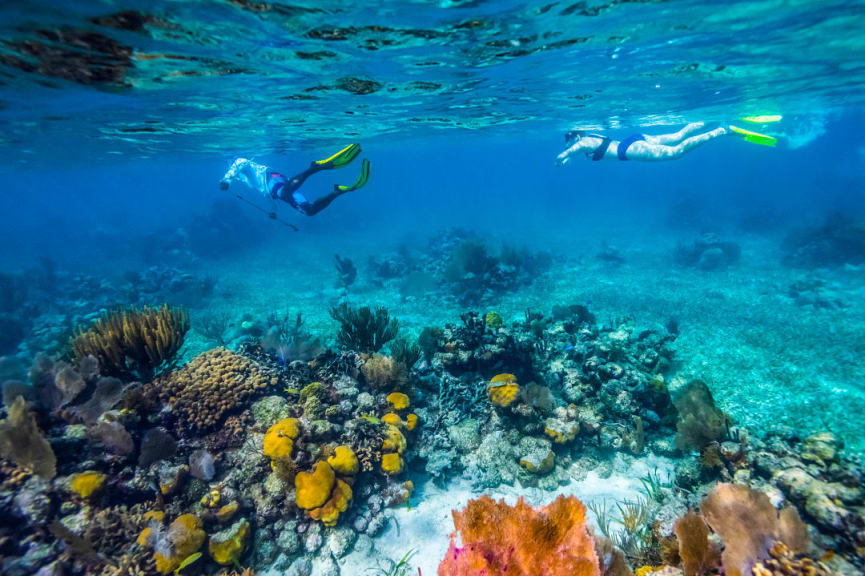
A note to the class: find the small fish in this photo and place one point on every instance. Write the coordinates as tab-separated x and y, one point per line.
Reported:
187	561
569	347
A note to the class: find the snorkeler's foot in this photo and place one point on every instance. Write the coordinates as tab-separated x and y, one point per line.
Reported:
361	179
752	137
342	158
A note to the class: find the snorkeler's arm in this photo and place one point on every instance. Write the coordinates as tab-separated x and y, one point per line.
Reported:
565	156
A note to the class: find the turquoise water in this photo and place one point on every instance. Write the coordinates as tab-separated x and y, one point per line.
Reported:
119	118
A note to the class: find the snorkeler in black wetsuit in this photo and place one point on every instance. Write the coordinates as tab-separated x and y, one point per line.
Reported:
275	186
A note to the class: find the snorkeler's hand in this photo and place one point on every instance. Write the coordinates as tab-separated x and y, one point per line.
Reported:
562	159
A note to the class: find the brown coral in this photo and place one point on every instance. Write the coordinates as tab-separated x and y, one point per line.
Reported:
697	553
211	385
700	422
748	524
133	342
22	442
383	372
497	540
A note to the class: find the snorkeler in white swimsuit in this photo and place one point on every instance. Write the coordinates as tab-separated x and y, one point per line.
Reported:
276	186
637	147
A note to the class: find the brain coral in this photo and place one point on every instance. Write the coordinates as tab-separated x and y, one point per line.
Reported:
209	386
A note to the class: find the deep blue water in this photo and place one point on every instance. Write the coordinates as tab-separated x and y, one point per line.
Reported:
507	186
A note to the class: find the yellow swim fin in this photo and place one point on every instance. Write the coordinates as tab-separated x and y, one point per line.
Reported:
755	137
361	179
341	158
765	119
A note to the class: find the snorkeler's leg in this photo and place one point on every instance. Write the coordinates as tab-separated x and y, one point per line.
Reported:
653	152
676	137
316	206
342	158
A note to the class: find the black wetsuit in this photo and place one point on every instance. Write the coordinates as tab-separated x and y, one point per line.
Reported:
286	189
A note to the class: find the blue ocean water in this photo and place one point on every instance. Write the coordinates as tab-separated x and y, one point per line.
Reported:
119	118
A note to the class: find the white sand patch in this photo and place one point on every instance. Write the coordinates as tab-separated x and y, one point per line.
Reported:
426	527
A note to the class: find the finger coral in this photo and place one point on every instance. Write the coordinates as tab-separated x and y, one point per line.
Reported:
782	562
133	342
497	540
22	442
503	390
748	524
210	386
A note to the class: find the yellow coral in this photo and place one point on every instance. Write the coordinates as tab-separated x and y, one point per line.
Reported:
157	515
225	547
503	390
186	537
391	464
144	537
394	441
279	439
539	467
494	319
86	484
564	433
411	422
227	512
338	502
398	400
212	498
344	461
392	418
313	488
646	569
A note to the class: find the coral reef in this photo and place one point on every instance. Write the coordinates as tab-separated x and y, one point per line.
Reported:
134	342
362	329
209	387
498	539
708	252
244	458
346	270
839	240
22	442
